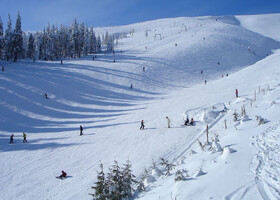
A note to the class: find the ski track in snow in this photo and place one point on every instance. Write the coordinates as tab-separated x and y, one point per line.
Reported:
266	163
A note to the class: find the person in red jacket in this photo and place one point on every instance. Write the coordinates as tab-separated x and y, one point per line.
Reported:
236	93
142	125
63	175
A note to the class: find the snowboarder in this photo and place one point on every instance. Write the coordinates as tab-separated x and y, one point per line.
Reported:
12	139
236	93
63	175
142	125
168	122
187	121
192	122
24	138
46	96
81	130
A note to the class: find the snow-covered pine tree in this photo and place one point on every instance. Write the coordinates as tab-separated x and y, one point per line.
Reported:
106	39
115	182
101	190
17	40
43	45
81	38
98	49
75	48
37	46
86	41
128	179
31	47
1	40
110	44
8	50
92	41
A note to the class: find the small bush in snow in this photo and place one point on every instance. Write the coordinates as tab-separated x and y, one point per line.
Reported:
168	166
235	116
260	120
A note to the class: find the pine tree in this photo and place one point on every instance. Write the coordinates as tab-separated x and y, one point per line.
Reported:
81	39
8	40
92	42
86	41
101	189
115	182
75	48
98	48
1	40
17	40
127	181
31	47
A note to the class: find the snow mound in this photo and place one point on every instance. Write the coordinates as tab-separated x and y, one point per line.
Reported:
156	172
245	118
200	173
227	151
149	179
207	115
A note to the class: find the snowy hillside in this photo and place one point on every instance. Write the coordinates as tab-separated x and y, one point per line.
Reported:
162	60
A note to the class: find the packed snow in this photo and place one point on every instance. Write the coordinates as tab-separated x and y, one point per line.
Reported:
177	67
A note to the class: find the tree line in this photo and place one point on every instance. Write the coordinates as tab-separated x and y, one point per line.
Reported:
53	43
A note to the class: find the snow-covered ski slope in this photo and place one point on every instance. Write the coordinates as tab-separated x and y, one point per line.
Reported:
97	95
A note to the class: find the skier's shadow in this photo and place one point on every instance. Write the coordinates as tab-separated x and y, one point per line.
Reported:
89	133
149	128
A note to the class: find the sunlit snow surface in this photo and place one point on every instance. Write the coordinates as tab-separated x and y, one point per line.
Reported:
97	95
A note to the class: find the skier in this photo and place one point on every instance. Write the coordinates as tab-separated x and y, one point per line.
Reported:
24	138
2	68
142	125
201	71
191	123
187	121
12	139
168	122
81	130
143	69
131	86
46	96
236	93
205	82
63	175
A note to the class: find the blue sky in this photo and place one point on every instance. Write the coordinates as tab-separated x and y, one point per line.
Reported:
36	14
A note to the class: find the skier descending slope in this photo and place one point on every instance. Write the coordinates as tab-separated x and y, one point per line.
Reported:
142	125
81	130
168	122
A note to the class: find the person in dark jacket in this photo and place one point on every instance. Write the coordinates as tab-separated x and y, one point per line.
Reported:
192	122
187	121
12	139
81	130
236	93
